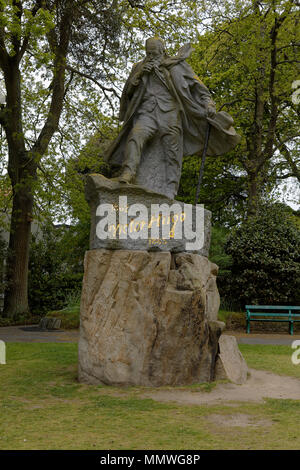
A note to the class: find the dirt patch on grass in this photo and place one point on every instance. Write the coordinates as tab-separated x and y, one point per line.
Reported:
260	385
238	420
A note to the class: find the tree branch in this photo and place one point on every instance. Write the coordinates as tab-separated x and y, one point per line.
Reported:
3	51
293	44
289	159
89	77
15	39
284	177
292	61
58	94
26	39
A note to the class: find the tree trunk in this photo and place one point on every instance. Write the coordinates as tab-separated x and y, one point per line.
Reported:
253	194
21	170
16	297
22	164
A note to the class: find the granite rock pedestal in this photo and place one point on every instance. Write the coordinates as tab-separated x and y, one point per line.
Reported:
148	318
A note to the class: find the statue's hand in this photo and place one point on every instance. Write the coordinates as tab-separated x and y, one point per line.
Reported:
211	112
147	67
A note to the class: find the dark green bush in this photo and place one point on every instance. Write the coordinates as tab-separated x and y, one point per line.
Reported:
218	256
56	267
265	252
217	253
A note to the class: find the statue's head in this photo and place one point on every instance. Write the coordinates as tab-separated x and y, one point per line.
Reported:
155	48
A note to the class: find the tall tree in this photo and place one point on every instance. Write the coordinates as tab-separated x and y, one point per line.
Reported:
34	33
49	49
249	58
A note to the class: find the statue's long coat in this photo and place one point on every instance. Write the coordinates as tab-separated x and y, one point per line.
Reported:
193	98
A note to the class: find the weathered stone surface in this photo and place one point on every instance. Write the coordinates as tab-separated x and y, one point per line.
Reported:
230	363
2	352
197	272
101	190
50	323
145	318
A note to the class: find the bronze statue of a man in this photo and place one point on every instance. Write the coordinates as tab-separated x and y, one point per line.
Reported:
165	109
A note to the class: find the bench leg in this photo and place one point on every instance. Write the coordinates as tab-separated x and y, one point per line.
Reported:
291	328
248	327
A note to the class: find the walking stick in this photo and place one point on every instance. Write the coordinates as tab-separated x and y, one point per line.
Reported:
207	132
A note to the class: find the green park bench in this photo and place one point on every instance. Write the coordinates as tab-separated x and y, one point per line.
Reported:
272	313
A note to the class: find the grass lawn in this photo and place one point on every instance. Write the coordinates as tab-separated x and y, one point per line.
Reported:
43	407
276	359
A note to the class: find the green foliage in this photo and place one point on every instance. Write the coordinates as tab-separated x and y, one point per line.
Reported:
223	190
218	255
88	160
248	57
69	317
56	267
5	194
265	253
217	252
233	320
106	39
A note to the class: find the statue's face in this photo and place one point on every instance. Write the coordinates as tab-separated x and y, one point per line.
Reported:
154	50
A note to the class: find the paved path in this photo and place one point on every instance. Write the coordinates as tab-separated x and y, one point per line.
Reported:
262	338
33	334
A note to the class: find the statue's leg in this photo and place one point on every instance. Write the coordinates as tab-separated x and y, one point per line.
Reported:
172	143
144	128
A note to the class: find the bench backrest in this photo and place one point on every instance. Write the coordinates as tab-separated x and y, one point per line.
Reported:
272	309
